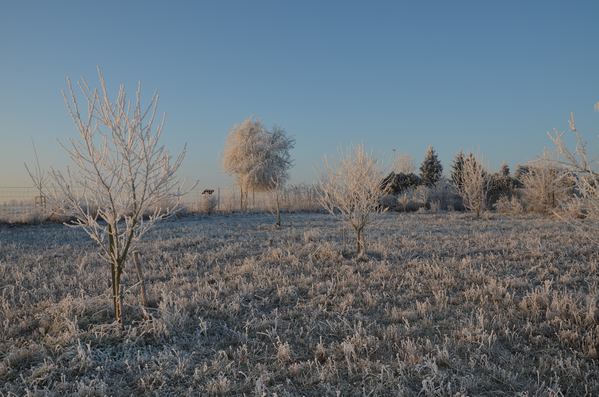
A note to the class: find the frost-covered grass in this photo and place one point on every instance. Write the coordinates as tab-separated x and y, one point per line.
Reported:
445	304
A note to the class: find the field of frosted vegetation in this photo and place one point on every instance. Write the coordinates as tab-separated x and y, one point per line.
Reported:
442	304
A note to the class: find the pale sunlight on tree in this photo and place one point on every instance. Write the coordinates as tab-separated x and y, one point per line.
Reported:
123	180
350	189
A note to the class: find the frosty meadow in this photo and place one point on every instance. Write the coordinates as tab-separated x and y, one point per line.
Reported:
372	281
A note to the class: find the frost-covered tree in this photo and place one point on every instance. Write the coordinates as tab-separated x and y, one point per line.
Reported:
272	169
123	180
545	185
583	172
500	184
243	142
259	159
350	189
39	178
431	168
457	170
473	185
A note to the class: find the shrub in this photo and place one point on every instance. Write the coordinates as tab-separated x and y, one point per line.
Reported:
389	202
444	197
583	178
509	205
545	186
500	185
207	204
474	185
397	183
521	170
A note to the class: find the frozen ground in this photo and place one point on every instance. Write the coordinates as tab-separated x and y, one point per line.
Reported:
445	305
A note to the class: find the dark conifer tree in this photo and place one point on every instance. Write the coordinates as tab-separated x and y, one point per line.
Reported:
457	170
431	168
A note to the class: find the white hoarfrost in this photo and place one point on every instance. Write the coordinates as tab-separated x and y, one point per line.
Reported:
259	159
350	189
123	179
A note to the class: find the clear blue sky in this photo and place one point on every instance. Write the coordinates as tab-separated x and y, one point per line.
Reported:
487	76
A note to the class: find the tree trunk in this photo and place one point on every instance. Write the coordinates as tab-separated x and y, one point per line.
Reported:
120	293
240	198
116	270
278	208
115	294
218	199
360	244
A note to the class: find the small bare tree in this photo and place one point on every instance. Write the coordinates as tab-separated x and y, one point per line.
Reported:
350	189
276	196
473	186
39	178
585	176
123	180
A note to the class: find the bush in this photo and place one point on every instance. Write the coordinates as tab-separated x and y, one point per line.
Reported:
443	197
545	188
509	205
397	183
521	171
389	202
207	204
500	185
473	186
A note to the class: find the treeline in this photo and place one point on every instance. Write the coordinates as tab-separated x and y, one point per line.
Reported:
541	186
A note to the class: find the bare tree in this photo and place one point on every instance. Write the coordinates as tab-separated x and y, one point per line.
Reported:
473	186
39	178
585	177
350	190
123	180
276	196
577	160
403	164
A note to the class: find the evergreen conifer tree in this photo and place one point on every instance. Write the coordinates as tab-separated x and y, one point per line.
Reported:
457	170
431	168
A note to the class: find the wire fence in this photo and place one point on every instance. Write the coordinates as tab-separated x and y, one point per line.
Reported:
26	205
17	203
